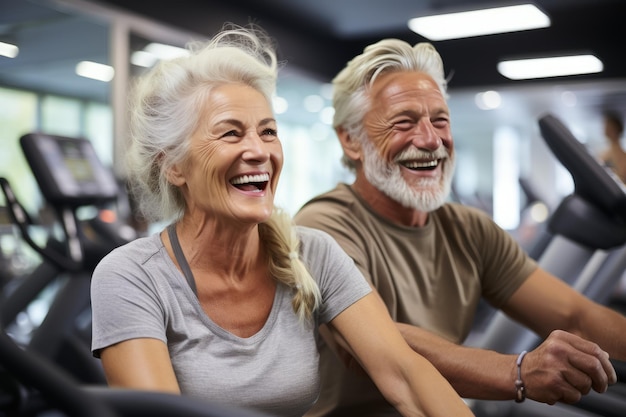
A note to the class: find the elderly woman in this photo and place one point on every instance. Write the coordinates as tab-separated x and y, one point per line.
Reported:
224	304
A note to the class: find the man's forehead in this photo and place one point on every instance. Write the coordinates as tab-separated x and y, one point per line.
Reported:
410	82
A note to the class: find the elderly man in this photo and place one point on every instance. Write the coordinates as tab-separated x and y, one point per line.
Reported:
432	261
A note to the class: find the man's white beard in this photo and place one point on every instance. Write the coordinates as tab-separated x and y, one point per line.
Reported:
426	194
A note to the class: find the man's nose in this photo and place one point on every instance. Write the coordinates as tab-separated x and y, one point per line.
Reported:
426	136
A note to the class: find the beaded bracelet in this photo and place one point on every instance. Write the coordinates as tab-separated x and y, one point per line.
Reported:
520	388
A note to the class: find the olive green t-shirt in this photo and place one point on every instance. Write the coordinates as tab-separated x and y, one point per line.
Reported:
432	276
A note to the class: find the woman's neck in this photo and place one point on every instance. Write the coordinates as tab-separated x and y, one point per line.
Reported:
212	246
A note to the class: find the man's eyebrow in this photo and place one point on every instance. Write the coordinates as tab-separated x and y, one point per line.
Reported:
441	110
410	112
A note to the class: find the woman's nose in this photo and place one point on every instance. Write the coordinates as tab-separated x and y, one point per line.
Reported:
255	148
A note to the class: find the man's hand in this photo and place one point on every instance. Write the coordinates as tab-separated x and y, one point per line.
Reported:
564	368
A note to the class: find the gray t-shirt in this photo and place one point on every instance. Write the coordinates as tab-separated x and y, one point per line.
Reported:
137	292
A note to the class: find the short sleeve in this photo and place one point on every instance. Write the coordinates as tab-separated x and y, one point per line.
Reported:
340	281
125	301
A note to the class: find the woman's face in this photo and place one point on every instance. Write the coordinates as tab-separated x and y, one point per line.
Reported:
235	158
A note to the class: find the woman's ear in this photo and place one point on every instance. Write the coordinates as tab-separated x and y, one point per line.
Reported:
175	175
351	146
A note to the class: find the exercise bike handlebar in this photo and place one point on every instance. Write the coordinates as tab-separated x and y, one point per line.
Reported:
54	385
20	217
62	392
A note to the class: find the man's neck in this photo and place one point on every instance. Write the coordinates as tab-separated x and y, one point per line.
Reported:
386	207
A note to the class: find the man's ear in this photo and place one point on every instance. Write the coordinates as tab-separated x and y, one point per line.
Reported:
351	146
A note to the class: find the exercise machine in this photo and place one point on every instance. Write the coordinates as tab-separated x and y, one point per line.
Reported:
587	249
31	385
71	178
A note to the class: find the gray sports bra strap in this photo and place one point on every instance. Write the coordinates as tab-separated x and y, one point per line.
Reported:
180	257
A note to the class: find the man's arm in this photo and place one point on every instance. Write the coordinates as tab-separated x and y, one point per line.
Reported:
568	364
545	303
474	373
562	369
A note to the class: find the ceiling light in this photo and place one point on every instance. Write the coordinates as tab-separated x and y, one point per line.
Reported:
143	59
154	52
9	50
550	67
95	71
163	51
479	22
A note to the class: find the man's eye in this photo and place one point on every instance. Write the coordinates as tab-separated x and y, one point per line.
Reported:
270	132
403	124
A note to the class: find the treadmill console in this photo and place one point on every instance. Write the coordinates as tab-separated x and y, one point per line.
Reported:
68	171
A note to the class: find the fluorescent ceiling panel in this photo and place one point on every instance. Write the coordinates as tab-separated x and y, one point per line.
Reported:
95	71
8	50
550	67
163	51
480	22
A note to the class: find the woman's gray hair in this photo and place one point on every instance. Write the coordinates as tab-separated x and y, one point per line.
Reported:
351	85
167	103
166	110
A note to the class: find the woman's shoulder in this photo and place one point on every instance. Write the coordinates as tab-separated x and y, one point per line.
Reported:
312	236
318	248
136	251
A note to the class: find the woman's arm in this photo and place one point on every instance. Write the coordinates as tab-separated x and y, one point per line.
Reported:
406	379
139	364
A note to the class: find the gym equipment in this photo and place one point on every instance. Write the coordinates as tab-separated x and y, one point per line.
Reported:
35	387
587	250
55	370
70	177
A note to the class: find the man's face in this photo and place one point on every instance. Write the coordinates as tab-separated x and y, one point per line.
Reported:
408	153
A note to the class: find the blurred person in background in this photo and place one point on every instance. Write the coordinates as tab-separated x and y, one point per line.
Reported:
614	156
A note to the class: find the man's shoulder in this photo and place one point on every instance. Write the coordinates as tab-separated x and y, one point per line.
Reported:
341	194
339	199
337	212
461	213
471	222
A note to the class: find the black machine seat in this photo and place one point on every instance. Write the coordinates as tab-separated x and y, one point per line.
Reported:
598	203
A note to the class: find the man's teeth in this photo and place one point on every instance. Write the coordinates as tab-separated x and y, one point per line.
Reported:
415	164
245	179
